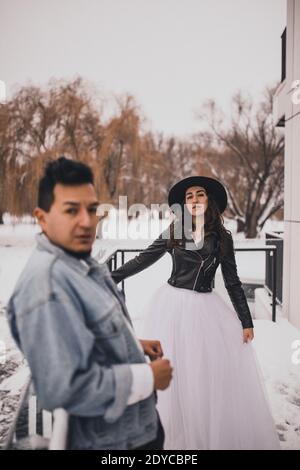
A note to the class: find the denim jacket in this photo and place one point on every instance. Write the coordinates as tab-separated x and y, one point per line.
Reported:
70	321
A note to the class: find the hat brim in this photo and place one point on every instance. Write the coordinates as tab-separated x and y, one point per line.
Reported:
211	185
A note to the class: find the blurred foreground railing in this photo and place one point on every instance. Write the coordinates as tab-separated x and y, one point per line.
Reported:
34	428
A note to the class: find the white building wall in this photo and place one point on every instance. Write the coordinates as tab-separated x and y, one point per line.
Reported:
284	106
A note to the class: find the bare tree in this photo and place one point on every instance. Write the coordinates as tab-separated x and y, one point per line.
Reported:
65	118
4	154
38	125
247	156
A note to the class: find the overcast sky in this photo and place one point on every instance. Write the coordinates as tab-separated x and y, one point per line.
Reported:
170	54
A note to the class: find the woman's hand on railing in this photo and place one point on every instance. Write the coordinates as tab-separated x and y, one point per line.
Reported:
248	335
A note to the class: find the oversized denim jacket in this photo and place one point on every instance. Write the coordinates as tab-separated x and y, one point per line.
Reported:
70	321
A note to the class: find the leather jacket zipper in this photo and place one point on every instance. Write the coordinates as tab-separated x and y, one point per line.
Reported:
201	265
213	262
174	260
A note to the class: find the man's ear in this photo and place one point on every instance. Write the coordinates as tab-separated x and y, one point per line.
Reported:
40	214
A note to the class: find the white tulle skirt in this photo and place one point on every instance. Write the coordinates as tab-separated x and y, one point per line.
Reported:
216	399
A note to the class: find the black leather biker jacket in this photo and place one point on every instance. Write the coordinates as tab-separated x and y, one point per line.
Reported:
194	269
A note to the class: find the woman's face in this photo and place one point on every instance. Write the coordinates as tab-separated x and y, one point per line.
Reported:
196	200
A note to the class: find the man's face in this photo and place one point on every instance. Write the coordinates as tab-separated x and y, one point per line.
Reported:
71	221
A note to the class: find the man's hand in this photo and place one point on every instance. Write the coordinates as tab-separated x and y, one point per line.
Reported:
162	373
152	348
248	335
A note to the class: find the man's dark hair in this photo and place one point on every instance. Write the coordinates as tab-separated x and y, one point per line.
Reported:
61	171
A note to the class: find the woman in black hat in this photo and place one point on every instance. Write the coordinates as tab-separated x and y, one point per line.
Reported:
216	399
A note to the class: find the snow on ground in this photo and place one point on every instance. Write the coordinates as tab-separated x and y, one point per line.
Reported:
13	373
273	342
16	244
273	345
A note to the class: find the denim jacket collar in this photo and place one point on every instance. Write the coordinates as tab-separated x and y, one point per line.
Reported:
44	244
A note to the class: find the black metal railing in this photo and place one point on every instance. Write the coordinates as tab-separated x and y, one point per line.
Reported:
283	55
275	238
271	256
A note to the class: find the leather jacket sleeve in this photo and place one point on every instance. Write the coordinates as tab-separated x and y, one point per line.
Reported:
142	261
234	285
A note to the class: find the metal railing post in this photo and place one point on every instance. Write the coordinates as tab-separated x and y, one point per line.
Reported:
123	262
274	286
59	437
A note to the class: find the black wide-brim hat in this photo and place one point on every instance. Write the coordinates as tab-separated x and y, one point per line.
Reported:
211	185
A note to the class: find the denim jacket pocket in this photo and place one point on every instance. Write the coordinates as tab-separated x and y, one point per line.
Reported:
110	326
110	344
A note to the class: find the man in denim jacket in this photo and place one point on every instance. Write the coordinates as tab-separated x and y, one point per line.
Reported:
69	319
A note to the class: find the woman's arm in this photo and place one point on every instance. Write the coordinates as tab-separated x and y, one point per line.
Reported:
234	286
142	261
